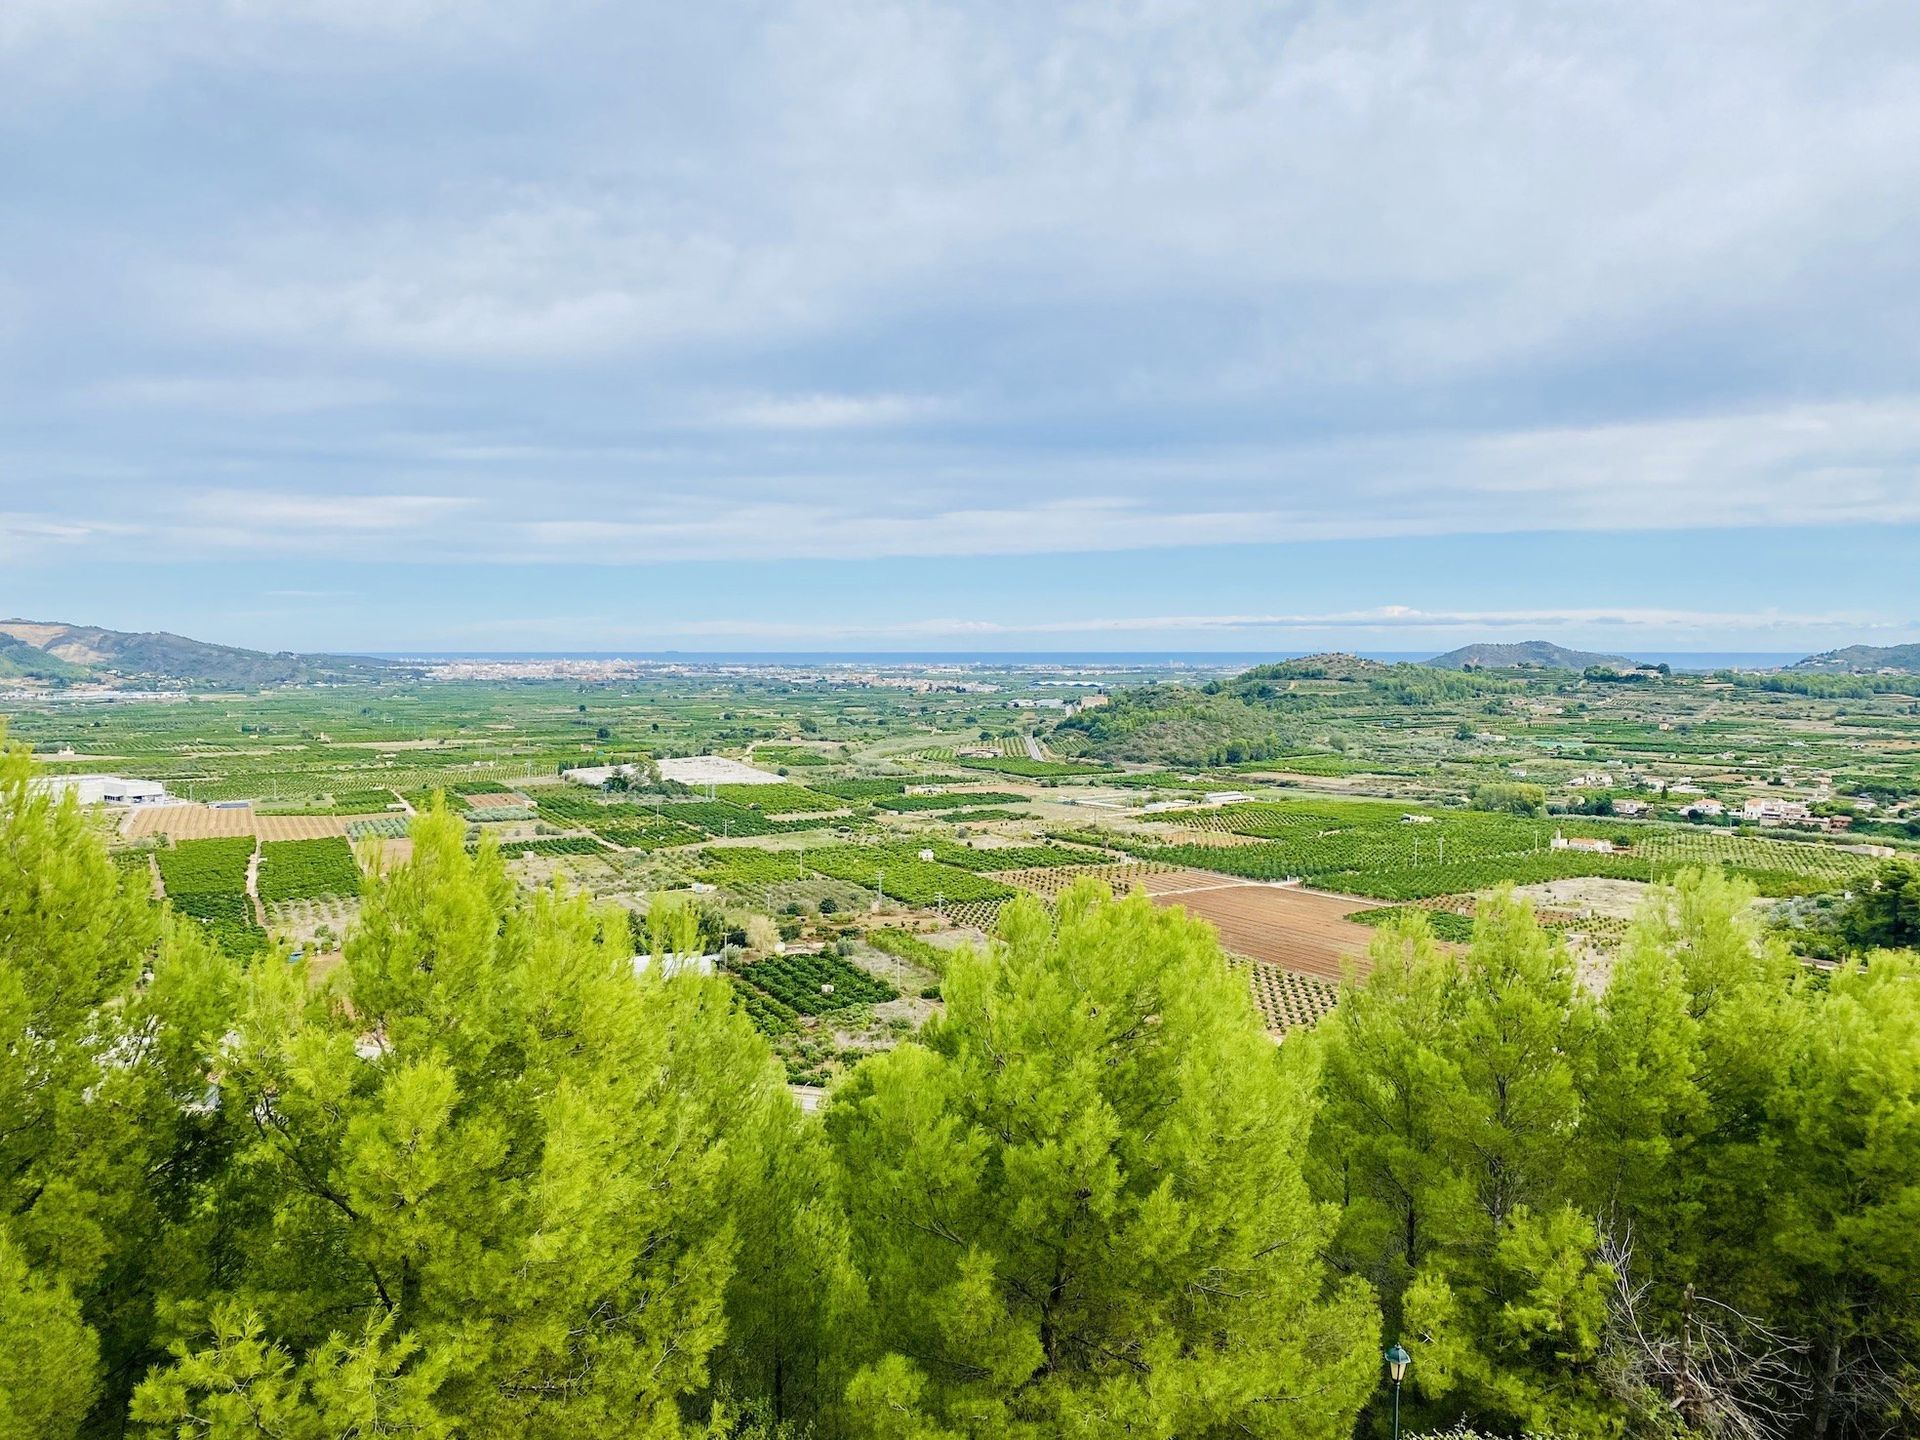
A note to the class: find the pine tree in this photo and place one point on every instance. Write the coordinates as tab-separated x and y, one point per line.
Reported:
494	1171
1078	1203
106	1011
1449	1139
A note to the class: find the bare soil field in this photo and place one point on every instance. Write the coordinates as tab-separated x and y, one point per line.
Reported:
1620	899
205	822
188	822
1302	931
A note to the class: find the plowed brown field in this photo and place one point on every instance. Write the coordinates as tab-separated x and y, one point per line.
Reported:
1298	930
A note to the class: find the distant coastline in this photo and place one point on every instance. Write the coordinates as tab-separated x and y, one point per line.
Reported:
1689	660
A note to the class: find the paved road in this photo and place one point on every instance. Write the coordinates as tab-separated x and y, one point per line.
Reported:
1034	752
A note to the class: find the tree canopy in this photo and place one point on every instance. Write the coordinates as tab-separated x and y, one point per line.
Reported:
498	1175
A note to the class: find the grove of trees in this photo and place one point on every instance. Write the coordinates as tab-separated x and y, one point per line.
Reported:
491	1179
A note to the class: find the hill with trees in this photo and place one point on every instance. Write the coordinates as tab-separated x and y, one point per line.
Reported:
55	650
1863	659
21	661
1258	714
1527	654
1175	725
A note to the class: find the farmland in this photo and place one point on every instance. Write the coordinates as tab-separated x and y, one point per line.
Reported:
306	870
888	807
206	881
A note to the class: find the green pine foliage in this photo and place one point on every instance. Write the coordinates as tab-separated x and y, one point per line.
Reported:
488	1179
1079	1204
1547	1185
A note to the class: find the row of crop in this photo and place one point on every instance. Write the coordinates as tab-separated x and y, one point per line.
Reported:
206	867
1445	924
909	880
790	755
770	1017
651	834
742	868
1751	853
782	799
307	869
383	827
1390	881
1031	769
1462	876
903	945
1015	857
553	845
206	881
871	788
947	800
718	817
816	984
585	807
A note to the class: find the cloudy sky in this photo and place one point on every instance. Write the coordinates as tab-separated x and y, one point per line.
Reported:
1136	324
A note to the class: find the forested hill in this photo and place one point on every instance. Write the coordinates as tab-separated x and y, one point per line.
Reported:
54	650
1258	714
21	661
1863	658
1540	654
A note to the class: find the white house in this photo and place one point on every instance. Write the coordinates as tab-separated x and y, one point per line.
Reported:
1769	811
1582	842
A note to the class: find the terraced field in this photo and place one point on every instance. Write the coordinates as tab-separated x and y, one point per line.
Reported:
1366	848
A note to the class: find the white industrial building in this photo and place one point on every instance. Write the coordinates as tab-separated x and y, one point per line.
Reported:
108	789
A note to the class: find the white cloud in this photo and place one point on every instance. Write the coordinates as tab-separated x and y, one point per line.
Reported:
241	395
557	280
826	412
254	518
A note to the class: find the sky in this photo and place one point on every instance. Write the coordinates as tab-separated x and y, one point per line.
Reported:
407	325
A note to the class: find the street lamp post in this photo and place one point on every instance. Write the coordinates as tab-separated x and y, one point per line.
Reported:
1397	1361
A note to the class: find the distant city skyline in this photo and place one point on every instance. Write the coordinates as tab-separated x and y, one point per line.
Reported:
552	325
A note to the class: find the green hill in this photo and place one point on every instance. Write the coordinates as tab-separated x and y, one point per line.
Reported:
21	661
1174	725
55	650
1863	659
1526	654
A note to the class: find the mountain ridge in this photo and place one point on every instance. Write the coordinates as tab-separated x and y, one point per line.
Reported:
61	652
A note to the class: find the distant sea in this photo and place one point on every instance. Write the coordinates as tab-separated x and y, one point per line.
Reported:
1699	660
